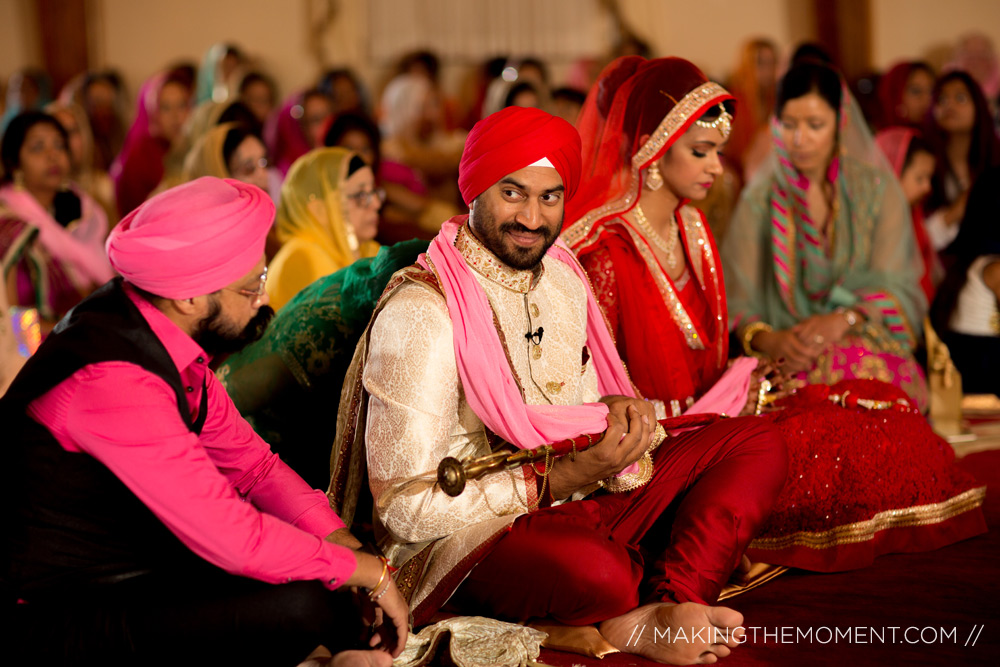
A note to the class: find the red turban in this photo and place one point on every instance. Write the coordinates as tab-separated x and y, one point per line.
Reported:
193	239
514	138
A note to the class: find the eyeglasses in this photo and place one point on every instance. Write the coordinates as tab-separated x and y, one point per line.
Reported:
365	197
246	169
255	294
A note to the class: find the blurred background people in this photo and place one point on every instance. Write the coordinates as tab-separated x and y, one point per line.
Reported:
965	312
820	259
418	152
163	106
103	98
912	161
27	89
56	240
258	92
904	94
217	74
345	91
976	55
297	127
966	144
753	83
83	172
327	218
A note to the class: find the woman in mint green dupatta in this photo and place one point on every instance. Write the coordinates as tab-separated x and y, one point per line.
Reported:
287	384
820	261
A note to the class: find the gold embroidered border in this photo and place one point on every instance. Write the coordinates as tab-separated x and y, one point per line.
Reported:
863	531
482	261
691	106
347	458
409	574
663	284
632	480
434	588
694	226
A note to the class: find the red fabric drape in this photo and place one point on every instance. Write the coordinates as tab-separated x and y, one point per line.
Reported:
660	361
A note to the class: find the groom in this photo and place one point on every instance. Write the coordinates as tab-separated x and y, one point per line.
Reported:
495	338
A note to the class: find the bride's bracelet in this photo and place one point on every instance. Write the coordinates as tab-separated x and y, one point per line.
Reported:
749	331
762	398
850	400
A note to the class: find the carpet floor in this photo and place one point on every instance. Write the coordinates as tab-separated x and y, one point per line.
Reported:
947	602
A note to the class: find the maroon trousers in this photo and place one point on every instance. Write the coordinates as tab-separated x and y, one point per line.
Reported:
677	538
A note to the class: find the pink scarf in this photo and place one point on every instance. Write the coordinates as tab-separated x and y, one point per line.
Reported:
729	394
484	370
81	250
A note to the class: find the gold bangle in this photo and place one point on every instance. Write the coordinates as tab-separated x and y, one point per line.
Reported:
385	570
749	331
765	387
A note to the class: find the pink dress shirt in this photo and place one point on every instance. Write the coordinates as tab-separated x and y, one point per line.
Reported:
224	493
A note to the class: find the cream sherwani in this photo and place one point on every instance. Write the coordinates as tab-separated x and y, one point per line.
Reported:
417	411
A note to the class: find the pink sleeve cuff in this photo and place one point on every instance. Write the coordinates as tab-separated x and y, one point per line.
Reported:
319	519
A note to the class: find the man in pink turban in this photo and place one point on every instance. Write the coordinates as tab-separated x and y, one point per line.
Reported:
494	339
147	522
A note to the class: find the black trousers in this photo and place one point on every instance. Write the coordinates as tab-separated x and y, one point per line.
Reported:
977	359
183	620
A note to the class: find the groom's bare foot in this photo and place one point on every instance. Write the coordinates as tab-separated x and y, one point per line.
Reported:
677	634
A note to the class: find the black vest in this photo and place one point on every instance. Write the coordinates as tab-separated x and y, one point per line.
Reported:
68	520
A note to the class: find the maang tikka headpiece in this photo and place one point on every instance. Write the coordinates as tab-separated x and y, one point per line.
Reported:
724	123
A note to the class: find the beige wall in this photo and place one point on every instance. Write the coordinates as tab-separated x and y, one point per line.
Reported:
17	30
709	32
278	33
292	38
926	29
140	37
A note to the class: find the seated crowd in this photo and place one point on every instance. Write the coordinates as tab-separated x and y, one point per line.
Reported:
674	329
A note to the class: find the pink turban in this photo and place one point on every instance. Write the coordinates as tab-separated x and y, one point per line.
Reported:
514	138
193	239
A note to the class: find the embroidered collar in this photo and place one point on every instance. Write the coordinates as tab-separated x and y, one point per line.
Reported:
490	267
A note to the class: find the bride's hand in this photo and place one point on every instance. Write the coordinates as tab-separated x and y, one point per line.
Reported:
820	331
781	386
784	344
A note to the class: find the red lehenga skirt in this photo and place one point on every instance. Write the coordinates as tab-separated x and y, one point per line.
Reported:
862	483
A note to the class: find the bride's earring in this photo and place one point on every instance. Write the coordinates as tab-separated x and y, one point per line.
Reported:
654	179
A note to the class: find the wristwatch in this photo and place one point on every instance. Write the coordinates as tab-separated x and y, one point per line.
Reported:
849	315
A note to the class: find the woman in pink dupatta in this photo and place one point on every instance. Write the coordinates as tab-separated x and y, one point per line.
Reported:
53	241
297	127
861	482
163	107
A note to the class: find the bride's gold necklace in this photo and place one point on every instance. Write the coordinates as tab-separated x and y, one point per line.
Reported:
667	245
